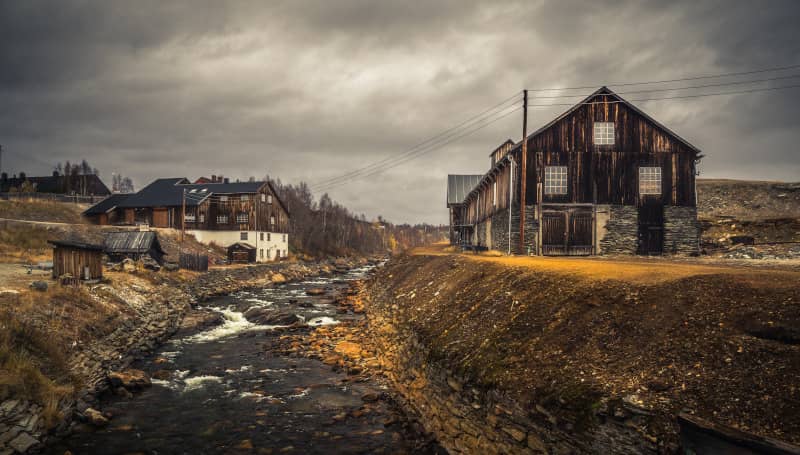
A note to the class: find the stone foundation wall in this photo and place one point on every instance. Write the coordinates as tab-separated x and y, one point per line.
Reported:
466	419
497	227
621	230
681	230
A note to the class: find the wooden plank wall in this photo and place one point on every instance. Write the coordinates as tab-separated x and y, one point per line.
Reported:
258	213
73	260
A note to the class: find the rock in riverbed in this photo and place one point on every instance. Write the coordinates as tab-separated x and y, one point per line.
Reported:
270	317
129	379
316	291
95	417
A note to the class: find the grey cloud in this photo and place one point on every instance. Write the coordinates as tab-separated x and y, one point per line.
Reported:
309	90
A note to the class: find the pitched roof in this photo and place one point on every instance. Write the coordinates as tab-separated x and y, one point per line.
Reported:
106	205
458	186
131	242
77	245
168	192
607	91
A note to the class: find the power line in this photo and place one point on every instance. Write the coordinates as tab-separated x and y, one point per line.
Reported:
697	95
438	146
721	84
515	98
407	156
683	79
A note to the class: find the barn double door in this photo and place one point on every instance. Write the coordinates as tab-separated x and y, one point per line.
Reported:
567	233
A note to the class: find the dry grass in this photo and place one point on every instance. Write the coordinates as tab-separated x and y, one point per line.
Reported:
39	330
27	243
38	210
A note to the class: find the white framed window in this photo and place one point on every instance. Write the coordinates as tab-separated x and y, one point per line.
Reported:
242	217
202	217
223	198
604	133
268	237
263	197
649	180
244	197
222	219
284	237
272	220
261	253
243	236
494	194
555	180
269	199
262	237
189	218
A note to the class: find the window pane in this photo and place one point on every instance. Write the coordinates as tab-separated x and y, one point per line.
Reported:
604	133
649	180
555	180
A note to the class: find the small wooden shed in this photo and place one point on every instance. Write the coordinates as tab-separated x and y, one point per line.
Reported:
134	245
241	252
80	260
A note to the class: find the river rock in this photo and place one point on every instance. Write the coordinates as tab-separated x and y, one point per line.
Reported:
40	286
316	291
130	379
278	278
349	349
95	417
270	317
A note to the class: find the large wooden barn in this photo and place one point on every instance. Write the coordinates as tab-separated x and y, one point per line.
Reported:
602	178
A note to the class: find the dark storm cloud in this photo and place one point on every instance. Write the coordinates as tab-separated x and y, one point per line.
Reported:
307	90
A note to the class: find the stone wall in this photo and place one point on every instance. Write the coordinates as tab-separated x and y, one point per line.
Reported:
622	230
497	227
467	419
681	230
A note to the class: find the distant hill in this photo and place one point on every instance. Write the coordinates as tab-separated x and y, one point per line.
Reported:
747	200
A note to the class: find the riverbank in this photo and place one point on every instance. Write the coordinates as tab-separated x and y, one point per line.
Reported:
69	340
585	358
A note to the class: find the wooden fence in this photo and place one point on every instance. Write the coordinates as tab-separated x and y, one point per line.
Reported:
76	199
190	261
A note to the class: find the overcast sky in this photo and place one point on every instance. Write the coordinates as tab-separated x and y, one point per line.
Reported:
308	90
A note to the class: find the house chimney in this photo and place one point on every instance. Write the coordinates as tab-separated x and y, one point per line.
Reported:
55	173
226	180
213	178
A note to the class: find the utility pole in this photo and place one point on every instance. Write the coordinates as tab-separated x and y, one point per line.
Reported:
523	171
183	215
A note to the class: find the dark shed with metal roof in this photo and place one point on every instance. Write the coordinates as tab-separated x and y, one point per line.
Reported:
133	245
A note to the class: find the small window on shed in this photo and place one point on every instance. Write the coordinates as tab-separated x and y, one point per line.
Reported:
555	180
242	217
243	236
222	219
649	180
604	133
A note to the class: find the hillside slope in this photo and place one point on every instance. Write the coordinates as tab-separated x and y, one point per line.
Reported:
747	200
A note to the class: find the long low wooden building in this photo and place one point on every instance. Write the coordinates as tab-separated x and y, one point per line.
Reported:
602	178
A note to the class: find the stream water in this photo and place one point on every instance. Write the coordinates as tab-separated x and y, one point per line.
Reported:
224	391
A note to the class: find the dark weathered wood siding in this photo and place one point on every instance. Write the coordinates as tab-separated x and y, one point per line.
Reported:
600	174
67	260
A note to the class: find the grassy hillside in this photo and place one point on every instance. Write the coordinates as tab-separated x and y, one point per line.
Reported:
36	210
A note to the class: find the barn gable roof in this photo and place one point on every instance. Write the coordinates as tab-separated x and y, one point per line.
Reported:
607	91
131	242
168	192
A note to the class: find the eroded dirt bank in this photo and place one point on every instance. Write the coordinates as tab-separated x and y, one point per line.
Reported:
499	357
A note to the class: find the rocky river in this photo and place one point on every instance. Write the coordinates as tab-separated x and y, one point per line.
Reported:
233	387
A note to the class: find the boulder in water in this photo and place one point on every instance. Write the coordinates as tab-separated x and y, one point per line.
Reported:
130	379
316	291
270	317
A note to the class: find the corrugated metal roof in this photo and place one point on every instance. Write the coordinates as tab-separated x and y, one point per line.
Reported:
106	204
131	242
458	186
